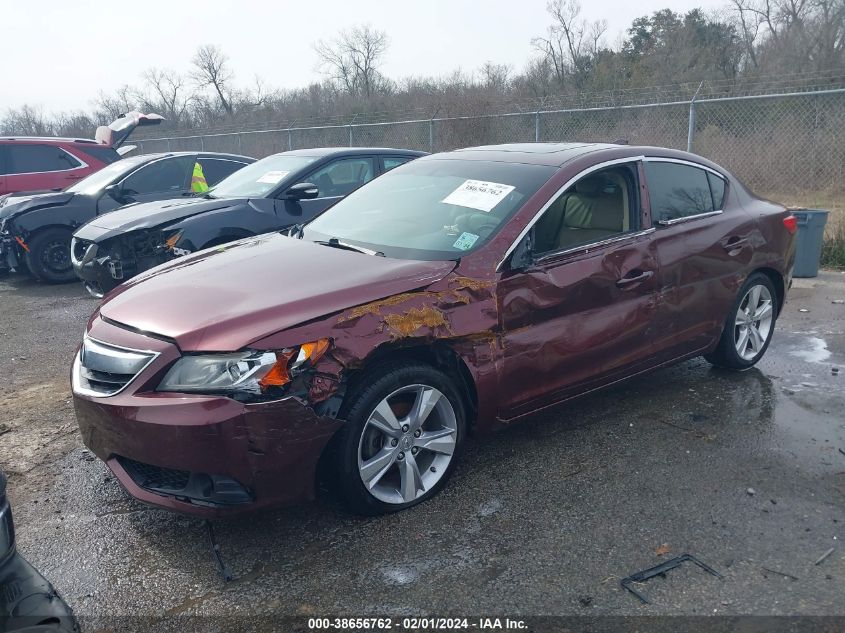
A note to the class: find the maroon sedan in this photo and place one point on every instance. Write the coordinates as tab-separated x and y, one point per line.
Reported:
458	292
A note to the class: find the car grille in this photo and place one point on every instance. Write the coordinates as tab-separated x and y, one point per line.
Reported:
155	477
103	370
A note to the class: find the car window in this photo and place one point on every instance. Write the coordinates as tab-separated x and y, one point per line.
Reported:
341	177
27	159
677	191
717	189
3	170
101	153
600	205
390	162
169	174
215	169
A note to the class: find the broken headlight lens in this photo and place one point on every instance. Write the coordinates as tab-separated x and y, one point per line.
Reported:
251	372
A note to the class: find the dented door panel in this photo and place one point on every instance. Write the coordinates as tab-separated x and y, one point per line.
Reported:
568	322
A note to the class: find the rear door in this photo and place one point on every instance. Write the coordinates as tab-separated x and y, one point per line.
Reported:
704	243
335	180
36	166
582	313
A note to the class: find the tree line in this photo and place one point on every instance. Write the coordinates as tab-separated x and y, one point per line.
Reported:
744	42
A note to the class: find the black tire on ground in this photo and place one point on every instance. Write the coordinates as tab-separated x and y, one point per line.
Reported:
361	403
726	353
48	258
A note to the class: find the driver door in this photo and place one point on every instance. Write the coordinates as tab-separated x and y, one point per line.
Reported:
159	180
580	313
335	180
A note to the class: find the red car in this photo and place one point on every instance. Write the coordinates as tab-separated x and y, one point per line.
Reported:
44	163
461	291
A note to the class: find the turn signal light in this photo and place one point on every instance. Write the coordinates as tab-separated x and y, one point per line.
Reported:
791	224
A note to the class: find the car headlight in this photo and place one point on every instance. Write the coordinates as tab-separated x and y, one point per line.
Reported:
250	373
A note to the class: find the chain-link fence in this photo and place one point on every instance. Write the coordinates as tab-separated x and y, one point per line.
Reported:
788	147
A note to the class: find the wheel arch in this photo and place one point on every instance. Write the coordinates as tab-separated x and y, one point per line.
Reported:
778	282
439	355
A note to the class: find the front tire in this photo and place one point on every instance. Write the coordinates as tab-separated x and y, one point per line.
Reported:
405	426
48	258
749	326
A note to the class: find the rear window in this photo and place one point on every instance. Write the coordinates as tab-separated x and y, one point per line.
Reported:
215	169
677	191
31	158
105	155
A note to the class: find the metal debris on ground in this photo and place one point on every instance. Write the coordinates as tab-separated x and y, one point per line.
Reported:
660	570
824	556
227	574
780	573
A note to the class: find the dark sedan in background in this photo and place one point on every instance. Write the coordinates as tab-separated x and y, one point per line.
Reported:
36	229
28	602
275	193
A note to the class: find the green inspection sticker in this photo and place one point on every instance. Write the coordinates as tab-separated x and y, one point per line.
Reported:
465	241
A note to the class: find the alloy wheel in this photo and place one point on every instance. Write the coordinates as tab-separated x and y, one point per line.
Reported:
407	444
753	322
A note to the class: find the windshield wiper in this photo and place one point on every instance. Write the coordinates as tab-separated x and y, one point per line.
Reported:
336	243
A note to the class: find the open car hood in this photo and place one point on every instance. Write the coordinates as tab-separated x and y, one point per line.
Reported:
223	301
119	130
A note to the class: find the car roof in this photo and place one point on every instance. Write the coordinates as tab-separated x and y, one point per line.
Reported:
158	155
557	154
49	139
320	152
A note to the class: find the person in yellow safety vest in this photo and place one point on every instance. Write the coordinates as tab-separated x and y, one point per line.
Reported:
198	183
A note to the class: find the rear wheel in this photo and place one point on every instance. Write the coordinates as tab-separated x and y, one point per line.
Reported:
404	431
48	257
749	326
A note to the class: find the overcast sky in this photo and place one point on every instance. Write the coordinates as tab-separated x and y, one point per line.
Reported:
58	54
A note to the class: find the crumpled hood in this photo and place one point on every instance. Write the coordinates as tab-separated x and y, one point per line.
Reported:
146	215
223	301
17	204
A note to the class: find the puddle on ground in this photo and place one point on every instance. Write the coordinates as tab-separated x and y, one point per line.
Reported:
815	352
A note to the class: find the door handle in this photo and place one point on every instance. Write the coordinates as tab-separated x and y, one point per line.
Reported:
734	243
627	282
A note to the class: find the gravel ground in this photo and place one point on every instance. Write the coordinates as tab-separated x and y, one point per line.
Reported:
746	471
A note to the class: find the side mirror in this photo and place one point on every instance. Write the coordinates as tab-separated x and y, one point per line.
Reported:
302	191
115	192
522	256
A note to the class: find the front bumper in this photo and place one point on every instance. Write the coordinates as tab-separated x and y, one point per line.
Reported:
28	603
198	454
8	252
103	267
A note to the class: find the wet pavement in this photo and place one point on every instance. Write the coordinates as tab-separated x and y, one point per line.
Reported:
744	470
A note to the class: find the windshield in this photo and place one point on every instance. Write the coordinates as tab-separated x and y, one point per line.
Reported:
99	180
258	179
431	209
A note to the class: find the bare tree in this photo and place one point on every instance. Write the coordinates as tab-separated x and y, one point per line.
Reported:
353	59
169	94
211	68
570	41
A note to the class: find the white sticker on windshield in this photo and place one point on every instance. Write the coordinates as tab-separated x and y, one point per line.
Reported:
477	194
272	177
465	241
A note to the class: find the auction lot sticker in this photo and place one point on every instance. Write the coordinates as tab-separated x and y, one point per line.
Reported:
272	177
477	194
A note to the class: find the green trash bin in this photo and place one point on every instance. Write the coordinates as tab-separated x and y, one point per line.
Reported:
808	245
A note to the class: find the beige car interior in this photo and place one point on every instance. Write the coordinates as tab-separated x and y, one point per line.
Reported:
594	208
